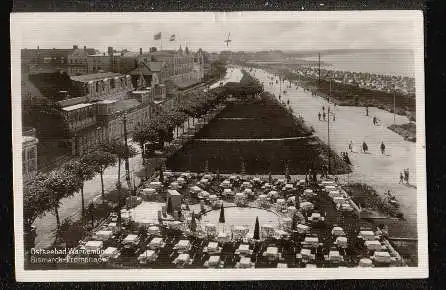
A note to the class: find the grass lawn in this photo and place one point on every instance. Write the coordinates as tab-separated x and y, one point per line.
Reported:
266	120
257	119
408	131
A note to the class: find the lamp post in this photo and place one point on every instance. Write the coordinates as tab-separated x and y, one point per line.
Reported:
328	130
127	167
99	139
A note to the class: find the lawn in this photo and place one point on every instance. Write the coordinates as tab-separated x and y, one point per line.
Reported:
266	119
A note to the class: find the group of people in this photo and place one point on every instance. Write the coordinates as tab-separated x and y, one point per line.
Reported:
365	147
325	115
404	176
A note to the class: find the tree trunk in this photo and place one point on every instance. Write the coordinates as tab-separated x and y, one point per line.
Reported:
119	170
83	201
102	186
56	213
142	152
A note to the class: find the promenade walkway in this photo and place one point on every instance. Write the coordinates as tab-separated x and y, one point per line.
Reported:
351	124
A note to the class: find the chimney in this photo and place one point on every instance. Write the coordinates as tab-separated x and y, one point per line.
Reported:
75	46
140	51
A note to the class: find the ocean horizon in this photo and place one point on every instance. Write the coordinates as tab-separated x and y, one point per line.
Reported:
386	62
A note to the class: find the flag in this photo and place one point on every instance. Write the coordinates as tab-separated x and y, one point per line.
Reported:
172	37
157	36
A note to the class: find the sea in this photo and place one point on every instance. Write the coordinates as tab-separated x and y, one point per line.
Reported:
386	62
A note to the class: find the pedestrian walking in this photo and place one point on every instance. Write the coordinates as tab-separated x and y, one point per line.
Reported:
323	108
383	148
350	146
364	147
334	117
374	121
319	115
406	175
323	115
401	178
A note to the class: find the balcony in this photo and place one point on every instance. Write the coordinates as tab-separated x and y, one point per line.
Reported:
29	132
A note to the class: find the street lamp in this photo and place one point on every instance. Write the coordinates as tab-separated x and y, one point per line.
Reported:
99	139
127	167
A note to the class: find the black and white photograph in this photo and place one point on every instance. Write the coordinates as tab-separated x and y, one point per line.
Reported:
219	145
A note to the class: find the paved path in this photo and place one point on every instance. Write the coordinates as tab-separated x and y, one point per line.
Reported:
254	139
377	170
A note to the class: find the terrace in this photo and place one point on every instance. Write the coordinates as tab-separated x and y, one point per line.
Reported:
339	240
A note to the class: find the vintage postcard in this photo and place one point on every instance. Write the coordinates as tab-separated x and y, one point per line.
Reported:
223	146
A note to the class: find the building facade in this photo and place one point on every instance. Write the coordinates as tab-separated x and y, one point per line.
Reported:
98	115
77	61
29	154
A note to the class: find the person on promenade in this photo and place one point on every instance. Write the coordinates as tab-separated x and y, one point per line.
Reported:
334	117
323	108
323	115
350	146
374	121
383	148
406	175
364	147
401	178
319	116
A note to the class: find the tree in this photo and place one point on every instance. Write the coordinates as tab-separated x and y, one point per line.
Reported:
161	177
36	202
142	233
100	160
91	212
144	135
70	232
83	171
256	235
60	184
193	223
222	215
121	152
169	206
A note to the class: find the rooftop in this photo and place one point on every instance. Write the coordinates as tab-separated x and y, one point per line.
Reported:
95	76
78	106
124	105
141	92
107	101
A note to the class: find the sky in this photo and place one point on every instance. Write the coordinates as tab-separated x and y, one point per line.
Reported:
249	31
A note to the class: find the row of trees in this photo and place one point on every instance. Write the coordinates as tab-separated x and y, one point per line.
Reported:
45	192
161	129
